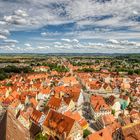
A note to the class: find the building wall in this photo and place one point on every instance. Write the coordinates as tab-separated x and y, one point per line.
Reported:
14	129
2	125
76	132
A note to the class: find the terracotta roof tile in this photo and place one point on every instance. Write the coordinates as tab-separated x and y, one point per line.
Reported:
58	122
45	91
54	103
131	131
98	103
76	116
15	103
103	134
34	102
108	119
35	116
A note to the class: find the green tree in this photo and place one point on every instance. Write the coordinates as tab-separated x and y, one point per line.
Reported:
130	72
86	132
3	75
113	112
39	136
9	84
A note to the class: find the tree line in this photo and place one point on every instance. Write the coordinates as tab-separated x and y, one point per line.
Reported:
8	70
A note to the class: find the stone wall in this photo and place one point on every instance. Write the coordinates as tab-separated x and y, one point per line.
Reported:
3	125
14	129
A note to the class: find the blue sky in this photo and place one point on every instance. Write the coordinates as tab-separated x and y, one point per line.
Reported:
67	26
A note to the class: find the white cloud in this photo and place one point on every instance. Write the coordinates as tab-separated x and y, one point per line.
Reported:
21	13
106	35
3	37
44	34
126	42
95	44
115	19
43	47
86	11
66	39
70	40
27	44
4	32
135	12
63	47
18	19
75	40
57	43
15	20
115	46
2	23
113	41
123	42
7	48
12	41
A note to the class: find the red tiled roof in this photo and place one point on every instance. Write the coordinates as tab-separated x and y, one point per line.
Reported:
98	102
26	114
58	122
103	134
45	91
54	103
131	131
95	85
34	102
108	119
76	116
15	103
35	116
